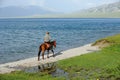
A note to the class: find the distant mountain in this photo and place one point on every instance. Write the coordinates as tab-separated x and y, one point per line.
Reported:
113	7
15	11
111	10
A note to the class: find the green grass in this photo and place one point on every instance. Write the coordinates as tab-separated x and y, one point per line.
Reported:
104	64
28	76
112	40
108	56
101	65
93	15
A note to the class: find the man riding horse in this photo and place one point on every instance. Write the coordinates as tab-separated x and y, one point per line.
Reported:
47	45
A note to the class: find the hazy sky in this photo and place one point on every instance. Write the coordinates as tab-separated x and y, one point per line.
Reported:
57	5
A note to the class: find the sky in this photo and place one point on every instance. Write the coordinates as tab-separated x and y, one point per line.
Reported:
57	5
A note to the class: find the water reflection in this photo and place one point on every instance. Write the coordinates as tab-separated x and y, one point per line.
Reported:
50	68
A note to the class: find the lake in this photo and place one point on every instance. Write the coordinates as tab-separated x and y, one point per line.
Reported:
20	38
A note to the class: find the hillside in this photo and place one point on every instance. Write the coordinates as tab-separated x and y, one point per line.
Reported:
104	11
113	7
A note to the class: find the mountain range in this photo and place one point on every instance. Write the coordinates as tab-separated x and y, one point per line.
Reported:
113	7
111	10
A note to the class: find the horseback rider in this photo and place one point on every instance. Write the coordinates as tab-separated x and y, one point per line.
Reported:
47	45
47	39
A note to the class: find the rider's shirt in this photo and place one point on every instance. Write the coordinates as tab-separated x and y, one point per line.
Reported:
47	38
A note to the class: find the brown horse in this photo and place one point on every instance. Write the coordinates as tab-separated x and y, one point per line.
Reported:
43	47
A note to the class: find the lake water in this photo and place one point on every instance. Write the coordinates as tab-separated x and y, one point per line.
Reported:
20	38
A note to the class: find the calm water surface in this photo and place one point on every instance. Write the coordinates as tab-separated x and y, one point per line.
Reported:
20	38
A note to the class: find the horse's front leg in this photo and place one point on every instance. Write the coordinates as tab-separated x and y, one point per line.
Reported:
43	55
53	53
47	53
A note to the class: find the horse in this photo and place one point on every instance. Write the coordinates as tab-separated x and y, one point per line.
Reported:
43	47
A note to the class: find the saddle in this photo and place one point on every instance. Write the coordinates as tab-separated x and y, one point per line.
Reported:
47	44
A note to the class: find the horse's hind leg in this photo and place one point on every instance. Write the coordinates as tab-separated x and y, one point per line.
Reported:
53	53
39	55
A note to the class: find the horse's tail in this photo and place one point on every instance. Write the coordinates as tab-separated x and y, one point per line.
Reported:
39	53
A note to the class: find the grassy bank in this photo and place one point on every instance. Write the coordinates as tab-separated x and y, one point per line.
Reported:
20	75
103	65
100	65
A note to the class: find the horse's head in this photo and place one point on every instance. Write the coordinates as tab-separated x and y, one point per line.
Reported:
54	43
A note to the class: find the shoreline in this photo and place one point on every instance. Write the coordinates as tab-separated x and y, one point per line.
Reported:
30	62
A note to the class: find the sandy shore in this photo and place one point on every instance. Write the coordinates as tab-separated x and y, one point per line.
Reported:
13	66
